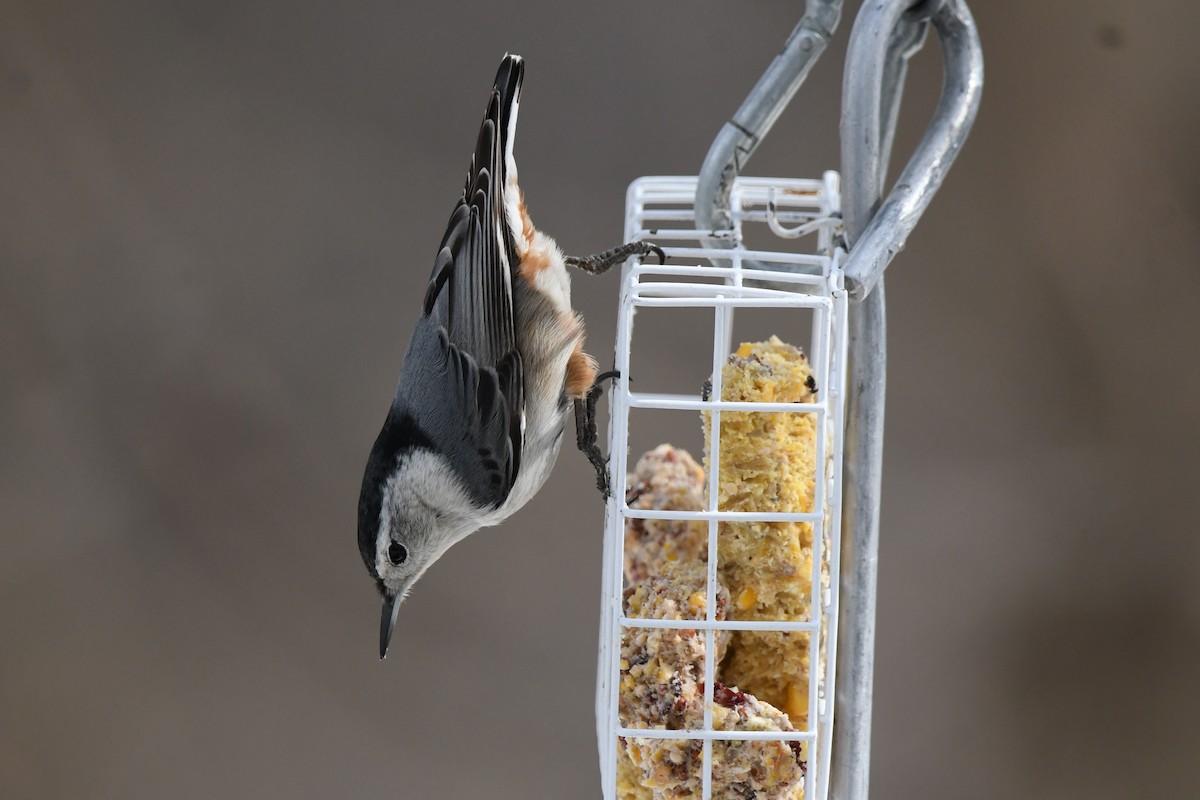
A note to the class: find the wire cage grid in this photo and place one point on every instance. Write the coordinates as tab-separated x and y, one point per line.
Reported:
660	209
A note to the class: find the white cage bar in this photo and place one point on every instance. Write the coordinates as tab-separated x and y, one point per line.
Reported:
660	209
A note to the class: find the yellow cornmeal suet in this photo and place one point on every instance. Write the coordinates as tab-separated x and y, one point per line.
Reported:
768	463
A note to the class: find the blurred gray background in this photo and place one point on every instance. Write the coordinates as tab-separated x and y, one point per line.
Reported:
216	221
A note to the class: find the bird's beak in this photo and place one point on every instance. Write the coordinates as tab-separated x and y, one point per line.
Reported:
387	622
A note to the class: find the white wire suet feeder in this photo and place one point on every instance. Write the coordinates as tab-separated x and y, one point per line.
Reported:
834	286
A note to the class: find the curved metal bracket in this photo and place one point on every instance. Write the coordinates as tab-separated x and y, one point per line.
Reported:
740	137
880	46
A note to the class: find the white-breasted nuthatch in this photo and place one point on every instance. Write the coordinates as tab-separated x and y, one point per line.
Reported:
495	360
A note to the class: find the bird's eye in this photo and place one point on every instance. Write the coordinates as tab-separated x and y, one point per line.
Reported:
397	553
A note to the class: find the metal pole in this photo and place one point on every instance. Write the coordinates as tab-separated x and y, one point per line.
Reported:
870	86
870	107
850	760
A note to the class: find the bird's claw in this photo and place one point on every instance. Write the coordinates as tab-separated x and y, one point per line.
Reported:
602	262
585	432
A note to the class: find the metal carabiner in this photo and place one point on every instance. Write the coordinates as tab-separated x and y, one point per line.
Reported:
740	137
886	35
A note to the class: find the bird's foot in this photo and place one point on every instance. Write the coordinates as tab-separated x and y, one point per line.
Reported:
603	262
585	432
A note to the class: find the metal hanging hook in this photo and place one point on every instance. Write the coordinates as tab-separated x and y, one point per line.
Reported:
886	35
740	137
809	223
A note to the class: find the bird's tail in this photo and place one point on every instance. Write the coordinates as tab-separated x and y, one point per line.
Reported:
508	90
508	86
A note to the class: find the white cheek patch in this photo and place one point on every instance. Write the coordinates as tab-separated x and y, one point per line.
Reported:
426	494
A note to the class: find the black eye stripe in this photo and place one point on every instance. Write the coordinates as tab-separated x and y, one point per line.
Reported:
397	553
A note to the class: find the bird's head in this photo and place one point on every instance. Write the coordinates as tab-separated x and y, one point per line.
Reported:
408	517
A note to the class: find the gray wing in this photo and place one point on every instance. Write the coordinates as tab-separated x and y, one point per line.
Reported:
462	380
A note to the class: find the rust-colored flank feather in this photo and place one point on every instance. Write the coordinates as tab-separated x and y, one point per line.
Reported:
581	373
